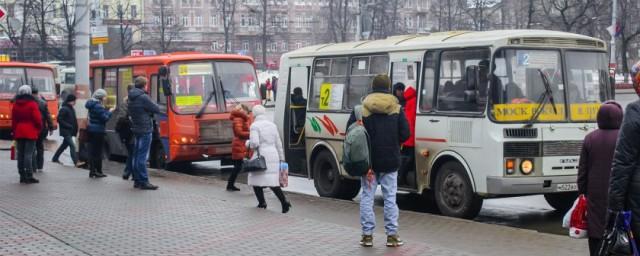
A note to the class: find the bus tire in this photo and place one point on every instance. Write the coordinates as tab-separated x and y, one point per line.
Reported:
328	181
454	194
157	157
561	201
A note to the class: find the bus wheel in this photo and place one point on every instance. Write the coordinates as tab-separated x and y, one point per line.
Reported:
157	159
327	179
454	194
561	201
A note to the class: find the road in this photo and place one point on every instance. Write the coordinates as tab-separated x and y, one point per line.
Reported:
529	212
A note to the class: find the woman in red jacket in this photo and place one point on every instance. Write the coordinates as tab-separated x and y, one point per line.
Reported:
408	147
241	123
26	124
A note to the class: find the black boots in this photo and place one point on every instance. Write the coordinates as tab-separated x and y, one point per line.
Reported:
260	196
26	177
286	205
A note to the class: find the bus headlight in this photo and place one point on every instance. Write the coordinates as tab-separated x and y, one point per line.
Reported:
526	166
510	166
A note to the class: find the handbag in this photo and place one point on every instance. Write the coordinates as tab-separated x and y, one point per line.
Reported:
256	164
578	221
619	240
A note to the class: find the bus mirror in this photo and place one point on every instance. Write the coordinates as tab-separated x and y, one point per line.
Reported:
166	87
472	77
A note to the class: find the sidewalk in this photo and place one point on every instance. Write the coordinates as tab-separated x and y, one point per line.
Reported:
70	214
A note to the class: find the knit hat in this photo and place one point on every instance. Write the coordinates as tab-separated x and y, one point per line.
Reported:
24	90
34	90
70	98
99	94
258	110
381	83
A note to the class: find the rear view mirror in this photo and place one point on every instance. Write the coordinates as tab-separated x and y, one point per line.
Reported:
165	84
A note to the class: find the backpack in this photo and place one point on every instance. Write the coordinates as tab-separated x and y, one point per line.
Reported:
355	149
123	128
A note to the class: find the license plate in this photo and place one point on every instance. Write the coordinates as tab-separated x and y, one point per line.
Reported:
567	187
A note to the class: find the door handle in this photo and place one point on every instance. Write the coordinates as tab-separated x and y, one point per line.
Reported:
434	120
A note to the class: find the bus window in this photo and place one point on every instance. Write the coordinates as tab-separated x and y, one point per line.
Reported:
124	80
329	79
111	86
405	72
10	80
587	83
43	80
452	85
363	70
426	98
238	80
192	83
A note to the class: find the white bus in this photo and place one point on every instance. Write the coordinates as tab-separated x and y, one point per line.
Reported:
499	113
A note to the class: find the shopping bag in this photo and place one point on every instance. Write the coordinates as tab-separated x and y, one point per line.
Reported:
578	223
566	221
284	174
13	150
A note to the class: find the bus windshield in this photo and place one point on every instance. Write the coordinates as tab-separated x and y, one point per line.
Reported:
192	84
517	87
10	80
43	80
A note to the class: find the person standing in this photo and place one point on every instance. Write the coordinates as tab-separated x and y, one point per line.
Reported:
123	128
387	127
264	139
68	129
141	111
241	123
269	89
398	91
274	86
26	124
595	168
624	186
47	127
98	117
409	147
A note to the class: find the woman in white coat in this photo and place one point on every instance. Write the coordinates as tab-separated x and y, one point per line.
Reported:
264	138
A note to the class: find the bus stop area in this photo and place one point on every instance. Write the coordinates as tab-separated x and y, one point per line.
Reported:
70	214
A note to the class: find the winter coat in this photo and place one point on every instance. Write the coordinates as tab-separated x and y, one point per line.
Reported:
269	87
123	123
98	116
67	120
387	128
241	124
624	184
264	139
410	114
47	121
595	166
141	110
26	121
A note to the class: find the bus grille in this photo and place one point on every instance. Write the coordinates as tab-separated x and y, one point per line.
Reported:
562	148
215	131
521	133
521	149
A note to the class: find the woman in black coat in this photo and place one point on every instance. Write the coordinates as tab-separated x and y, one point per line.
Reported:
595	167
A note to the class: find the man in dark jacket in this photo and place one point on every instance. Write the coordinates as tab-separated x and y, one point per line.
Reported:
68	129
47	127
123	128
141	110
387	127
595	167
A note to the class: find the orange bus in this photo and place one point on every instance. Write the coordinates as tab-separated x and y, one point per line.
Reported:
194	124
15	74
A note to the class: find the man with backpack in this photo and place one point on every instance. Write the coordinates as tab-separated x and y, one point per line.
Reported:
123	128
386	128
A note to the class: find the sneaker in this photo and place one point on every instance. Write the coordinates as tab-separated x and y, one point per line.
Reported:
394	241
367	241
146	186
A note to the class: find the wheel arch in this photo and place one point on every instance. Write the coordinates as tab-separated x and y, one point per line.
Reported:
447	156
315	150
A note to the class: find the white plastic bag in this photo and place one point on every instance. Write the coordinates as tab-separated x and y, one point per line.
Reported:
566	221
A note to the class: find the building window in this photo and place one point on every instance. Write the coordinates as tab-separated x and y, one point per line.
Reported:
298	21
215	46
298	45
134	11
170	21
284	46
285	21
198	21
245	45
243	20
156	20
214	21
105	11
186	21
274	47
408	22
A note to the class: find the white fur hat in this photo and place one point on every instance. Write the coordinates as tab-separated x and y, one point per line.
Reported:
258	110
23	90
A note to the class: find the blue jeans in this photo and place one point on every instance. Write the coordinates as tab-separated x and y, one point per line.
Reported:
389	184
140	156
129	165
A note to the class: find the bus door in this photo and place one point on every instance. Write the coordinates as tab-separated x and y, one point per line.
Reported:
294	119
161	120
